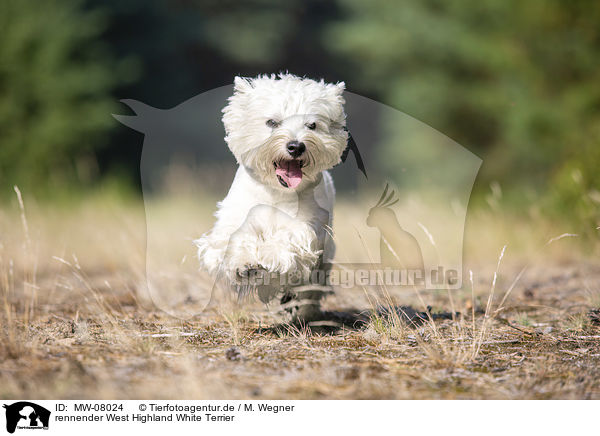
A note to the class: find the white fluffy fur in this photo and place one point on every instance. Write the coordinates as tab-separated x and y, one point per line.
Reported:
261	224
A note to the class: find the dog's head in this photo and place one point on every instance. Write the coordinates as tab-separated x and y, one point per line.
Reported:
285	130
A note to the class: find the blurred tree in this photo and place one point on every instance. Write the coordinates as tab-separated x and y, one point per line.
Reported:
186	47
516	82
55	83
575	189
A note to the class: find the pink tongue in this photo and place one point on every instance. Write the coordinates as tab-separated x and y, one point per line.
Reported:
290	172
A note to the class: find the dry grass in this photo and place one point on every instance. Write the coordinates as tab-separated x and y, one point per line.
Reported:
76	323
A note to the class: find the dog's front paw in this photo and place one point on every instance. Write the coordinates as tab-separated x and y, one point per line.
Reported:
255	278
211	253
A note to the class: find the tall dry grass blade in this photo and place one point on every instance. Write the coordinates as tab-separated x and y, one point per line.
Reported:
23	216
518	278
473	334
486	316
30	267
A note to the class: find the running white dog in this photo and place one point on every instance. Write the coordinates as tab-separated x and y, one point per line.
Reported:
285	132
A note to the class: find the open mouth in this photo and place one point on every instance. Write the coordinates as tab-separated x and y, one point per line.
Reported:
289	172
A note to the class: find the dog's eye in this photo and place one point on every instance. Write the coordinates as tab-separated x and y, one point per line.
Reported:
272	124
311	126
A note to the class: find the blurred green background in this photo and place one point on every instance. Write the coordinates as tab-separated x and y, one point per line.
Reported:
517	83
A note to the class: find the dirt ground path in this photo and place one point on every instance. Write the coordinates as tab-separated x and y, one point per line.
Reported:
95	338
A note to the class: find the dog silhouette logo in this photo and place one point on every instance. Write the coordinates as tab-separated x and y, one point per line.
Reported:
416	230
26	415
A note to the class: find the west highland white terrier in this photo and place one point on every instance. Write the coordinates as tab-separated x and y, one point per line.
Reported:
285	133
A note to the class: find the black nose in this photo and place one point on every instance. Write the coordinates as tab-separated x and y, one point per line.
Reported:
295	148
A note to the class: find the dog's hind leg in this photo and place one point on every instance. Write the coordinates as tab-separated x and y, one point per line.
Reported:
302	303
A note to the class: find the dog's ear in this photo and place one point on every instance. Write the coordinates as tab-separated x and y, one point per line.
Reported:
336	88
242	84
354	148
